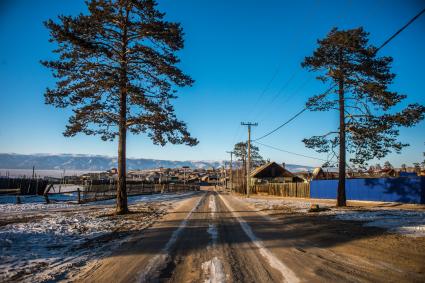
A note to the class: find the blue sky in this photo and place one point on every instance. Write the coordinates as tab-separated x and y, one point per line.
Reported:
233	48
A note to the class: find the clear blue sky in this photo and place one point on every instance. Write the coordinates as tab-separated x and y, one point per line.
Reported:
233	48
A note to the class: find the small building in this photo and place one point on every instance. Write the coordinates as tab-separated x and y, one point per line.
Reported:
272	172
320	174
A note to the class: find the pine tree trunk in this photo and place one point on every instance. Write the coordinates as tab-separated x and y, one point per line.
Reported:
341	200
122	205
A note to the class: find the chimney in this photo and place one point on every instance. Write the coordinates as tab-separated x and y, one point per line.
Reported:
283	165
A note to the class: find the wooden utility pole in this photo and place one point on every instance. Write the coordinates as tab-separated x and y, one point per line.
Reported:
184	173
224	183
231	170
248	164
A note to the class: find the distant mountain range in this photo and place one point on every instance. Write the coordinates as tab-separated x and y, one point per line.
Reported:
100	162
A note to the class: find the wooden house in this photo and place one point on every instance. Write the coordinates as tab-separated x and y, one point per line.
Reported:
272	172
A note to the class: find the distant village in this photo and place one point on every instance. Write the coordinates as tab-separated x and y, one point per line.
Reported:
270	172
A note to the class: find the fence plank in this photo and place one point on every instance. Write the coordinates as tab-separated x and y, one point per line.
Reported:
301	190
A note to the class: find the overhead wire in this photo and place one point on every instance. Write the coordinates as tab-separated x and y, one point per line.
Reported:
380	47
290	152
290	119
401	29
291	77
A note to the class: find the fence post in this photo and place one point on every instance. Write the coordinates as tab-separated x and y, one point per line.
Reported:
79	195
47	198
296	189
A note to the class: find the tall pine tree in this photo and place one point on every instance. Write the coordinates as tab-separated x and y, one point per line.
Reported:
117	70
241	153
360	80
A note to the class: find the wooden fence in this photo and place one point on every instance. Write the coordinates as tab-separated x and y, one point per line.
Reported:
101	192
300	190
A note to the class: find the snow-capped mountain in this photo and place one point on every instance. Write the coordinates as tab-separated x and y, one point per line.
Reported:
90	162
100	162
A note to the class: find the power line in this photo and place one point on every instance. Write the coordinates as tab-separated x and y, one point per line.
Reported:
380	47
290	152
269	83
400	30
291	77
291	119
289	96
294	73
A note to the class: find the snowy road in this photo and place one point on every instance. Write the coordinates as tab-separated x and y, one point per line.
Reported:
216	237
210	236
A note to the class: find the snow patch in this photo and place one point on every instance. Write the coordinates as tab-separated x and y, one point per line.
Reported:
212	205
57	242
53	242
271	204
38	203
213	270
212	228
404	222
409	223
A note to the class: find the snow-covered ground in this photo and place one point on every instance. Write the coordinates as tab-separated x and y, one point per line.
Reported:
404	222
40	242
36	203
409	223
279	204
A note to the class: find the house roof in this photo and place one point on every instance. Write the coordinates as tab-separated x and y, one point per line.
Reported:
316	172
259	171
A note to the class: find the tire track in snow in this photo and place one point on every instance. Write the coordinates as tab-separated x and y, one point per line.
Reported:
287	274
213	269
159	261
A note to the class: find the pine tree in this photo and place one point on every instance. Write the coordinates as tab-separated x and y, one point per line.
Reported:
417	167
388	165
360	81
241	152
117	71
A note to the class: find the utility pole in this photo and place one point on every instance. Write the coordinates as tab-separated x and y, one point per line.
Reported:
231	170
184	173
248	164
224	184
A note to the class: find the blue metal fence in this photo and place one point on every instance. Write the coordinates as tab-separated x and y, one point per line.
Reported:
401	189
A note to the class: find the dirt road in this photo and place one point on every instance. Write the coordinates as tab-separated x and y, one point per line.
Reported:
216	237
